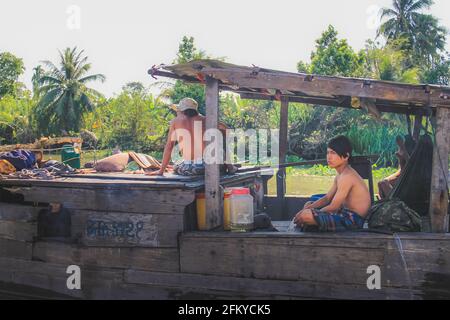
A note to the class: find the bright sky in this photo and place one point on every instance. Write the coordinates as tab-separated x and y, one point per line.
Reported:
123	39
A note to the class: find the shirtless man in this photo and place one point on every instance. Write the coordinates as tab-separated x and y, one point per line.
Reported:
187	129
347	204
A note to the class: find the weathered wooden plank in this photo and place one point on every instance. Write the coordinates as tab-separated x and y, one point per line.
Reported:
278	260
212	172
422	266
325	238
42	143
81	182
335	102
16	230
408	265
439	180
283	144
15	249
120	200
127	230
317	85
18	212
245	287
153	259
95	283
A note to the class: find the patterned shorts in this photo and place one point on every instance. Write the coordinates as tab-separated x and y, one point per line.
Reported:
341	221
190	168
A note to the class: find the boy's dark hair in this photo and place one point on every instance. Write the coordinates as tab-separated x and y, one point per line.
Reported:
342	146
190	113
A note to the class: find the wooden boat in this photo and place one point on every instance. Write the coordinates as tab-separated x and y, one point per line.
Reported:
135	237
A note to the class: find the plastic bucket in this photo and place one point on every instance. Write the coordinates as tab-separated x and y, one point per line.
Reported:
317	197
201	211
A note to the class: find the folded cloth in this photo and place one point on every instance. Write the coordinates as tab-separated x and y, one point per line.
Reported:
20	159
35	174
132	166
58	168
340	221
145	161
6	167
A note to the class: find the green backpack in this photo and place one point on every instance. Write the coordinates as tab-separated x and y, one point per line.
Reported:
395	216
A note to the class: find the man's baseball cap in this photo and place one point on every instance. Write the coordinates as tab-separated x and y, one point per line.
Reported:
185	104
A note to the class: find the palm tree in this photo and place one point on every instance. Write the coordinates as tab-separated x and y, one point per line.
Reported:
36	78
65	96
402	18
430	38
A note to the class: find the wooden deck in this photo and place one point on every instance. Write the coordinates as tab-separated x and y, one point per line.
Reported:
123	180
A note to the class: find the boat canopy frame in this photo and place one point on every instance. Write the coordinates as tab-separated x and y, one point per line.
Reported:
374	96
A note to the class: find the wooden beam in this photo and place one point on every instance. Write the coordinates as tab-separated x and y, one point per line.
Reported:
283	143
42	143
439	180
317	85
212	172
382	106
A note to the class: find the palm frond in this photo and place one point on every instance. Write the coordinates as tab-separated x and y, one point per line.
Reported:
420	5
93	77
48	100
49	79
387	13
92	92
86	102
81	70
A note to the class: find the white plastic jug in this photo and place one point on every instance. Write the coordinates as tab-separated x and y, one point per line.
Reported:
241	210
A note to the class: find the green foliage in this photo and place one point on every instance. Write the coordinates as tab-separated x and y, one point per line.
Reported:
402	18
389	63
186	53
374	138
333	57
423	39
382	173
438	72
183	90
325	171
246	114
65	95
316	125
134	120
16	120
11	68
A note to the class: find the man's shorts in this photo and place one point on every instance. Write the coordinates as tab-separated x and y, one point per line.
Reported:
189	168
194	168
341	221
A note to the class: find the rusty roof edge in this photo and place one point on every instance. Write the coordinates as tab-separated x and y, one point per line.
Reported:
206	66
194	70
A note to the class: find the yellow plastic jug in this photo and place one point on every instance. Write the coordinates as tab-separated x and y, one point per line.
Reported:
201	210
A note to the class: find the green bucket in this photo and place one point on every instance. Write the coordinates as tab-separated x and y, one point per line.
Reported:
70	157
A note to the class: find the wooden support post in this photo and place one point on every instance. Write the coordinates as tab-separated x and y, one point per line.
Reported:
281	175
212	172
439	191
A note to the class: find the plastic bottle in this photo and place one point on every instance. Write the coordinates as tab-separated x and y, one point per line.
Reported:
241	210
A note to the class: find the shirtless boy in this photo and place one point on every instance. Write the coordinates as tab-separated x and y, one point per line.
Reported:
347	203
